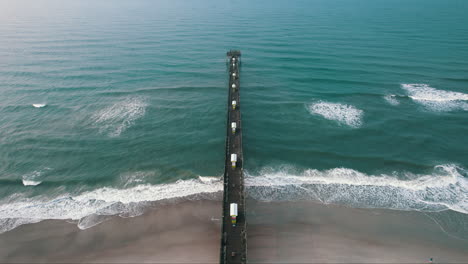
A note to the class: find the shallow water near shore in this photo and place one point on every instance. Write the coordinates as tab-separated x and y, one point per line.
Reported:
107	107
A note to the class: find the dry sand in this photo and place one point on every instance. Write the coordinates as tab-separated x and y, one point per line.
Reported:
289	232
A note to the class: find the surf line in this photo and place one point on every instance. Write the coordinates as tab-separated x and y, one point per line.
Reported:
233	230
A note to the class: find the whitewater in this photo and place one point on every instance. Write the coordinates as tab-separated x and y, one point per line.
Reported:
128	109
445	188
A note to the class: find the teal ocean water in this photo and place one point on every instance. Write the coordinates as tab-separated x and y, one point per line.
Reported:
108	107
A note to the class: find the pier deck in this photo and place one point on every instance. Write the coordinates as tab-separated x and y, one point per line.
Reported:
233	238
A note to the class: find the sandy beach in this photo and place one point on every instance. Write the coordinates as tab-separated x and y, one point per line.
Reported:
174	233
306	232
288	232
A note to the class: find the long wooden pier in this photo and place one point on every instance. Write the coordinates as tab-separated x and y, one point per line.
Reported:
234	236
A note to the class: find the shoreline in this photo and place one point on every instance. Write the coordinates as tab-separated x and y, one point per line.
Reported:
278	232
172	233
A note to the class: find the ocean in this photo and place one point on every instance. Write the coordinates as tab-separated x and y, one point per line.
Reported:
109	107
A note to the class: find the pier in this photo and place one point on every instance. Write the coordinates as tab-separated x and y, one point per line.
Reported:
233	234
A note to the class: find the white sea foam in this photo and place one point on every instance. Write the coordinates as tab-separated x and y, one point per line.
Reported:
342	113
33	178
92	207
391	99
31	183
137	177
39	105
444	188
436	100
116	118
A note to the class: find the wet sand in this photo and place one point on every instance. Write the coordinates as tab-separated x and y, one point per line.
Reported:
174	233
306	232
286	232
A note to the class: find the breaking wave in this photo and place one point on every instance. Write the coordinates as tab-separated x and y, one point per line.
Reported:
446	187
342	113
31	183
391	99
39	105
91	208
436	100
118	117
33	179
